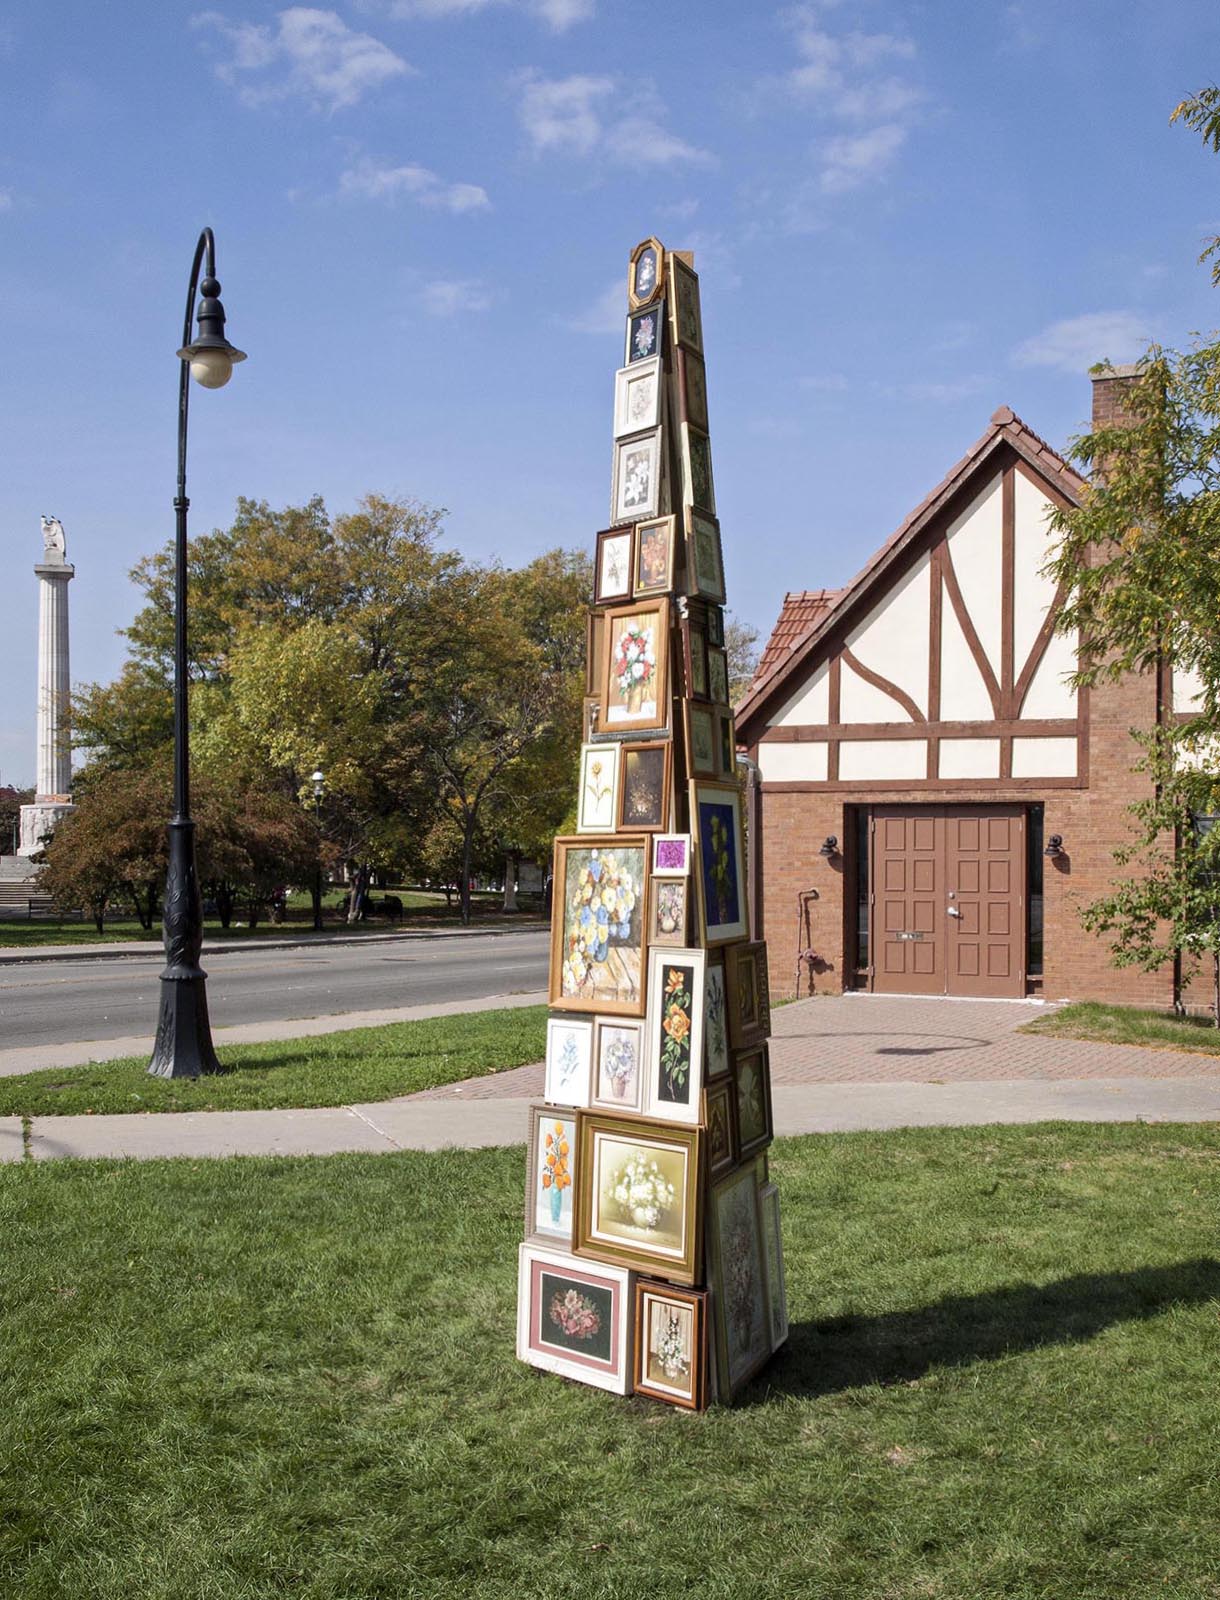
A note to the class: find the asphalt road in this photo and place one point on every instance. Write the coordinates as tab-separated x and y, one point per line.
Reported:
60	1002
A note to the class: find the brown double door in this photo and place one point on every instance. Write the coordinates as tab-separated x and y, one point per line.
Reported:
948	900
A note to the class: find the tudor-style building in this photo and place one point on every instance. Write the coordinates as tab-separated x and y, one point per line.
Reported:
922	719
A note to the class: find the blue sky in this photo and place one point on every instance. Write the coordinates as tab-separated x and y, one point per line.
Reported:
903	216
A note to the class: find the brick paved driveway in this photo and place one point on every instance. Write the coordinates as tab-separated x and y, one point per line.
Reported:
860	1038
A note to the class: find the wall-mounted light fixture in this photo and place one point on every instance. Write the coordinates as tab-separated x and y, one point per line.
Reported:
830	846
1054	846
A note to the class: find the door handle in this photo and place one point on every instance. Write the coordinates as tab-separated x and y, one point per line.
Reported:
953	911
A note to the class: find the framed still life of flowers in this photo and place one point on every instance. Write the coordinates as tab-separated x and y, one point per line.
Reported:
612	568
598	930
638	1194
752	1075
635	678
598	798
698	489
654	556
550	1153
673	1079
726	742
637	397
645	273
684	299
705	563
636	489
720	1120
644	333
715	1012
692	389
574	1318
720	877
618	1065
749	993
671	1343
738	1272
773	1255
569	1061
701	755
644	785
670	855
668	911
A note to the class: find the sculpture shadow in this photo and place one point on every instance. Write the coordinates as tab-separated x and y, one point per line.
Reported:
899	1346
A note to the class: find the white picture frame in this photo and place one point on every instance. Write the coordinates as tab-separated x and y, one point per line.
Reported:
638	389
598	797
543	1275
615	563
617	1084
569	1061
673	1082
636	492
671	855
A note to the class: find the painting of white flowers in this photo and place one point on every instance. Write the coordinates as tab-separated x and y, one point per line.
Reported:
635	679
614	558
637	1195
598	788
637	478
569	1060
637	397
598	937
671	1344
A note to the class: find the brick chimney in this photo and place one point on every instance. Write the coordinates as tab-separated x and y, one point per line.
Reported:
1110	390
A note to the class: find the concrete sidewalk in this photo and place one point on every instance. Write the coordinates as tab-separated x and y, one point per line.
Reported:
118	949
426	1123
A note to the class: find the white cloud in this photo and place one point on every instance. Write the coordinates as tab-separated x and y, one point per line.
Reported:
606	314
1077	343
445	297
558	15
309	52
567	114
367	179
853	159
824	382
562	14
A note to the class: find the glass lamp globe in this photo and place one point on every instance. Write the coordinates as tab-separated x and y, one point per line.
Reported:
212	368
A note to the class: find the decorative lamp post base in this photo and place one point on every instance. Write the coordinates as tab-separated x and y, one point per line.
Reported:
183	1047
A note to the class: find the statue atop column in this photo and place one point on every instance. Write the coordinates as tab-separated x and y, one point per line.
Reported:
54	549
53	767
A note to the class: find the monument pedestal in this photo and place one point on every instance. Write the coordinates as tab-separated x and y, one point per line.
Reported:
40	819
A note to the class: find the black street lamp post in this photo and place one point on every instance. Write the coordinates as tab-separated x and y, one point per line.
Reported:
183	1047
318	785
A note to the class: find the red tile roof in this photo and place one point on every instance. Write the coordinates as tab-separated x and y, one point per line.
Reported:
801	609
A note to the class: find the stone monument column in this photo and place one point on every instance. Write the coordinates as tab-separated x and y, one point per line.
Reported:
53	775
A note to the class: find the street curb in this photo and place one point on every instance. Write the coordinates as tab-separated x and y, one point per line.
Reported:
144	947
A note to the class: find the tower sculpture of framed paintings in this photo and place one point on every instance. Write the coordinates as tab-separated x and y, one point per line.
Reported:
653	1258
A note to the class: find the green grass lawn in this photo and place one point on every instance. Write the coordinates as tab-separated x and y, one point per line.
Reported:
335	1069
254	1378
1088	1019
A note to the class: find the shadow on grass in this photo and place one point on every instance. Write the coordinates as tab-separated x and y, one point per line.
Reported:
901	1346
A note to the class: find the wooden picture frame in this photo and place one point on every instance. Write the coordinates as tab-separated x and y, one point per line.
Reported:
645	333
720	875
673	1037
705	562
635	672
569	1061
715	614
591	711
595	632
614	566
617	1081
692	389
672	1350
717	1057
639	391
749	998
669	910
599	949
645	273
694	656
720	1120
698	488
726	742
597	795
742	1330
718	675
655	552
548	1175
639	1195
755	1115
671	855
645	786
773	1259
575	1317
635	492
699	738
686	318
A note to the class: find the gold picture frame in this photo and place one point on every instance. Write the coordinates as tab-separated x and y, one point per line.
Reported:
599	946
639	1195
635	671
645	273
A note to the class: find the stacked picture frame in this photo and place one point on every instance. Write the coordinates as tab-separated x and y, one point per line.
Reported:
653	1258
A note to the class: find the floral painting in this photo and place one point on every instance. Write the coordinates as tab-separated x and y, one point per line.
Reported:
576	1315
717	810
773	1250
694	390
671	1353
654	556
619	1067
569	1056
598	788
727	738
644	334
715	1016
645	800
684	284
753	1099
646	268
696	660
637	397
597	955
707	561
637	487
718	675
699	469
635	687
743	1323
721	1142
549	1211
614	566
674	1064
700	741
675	1039
668	922
671	855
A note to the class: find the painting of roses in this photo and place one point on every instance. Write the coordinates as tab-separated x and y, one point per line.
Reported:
635	680
675	1021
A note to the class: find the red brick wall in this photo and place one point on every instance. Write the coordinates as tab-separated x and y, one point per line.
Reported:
1092	821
